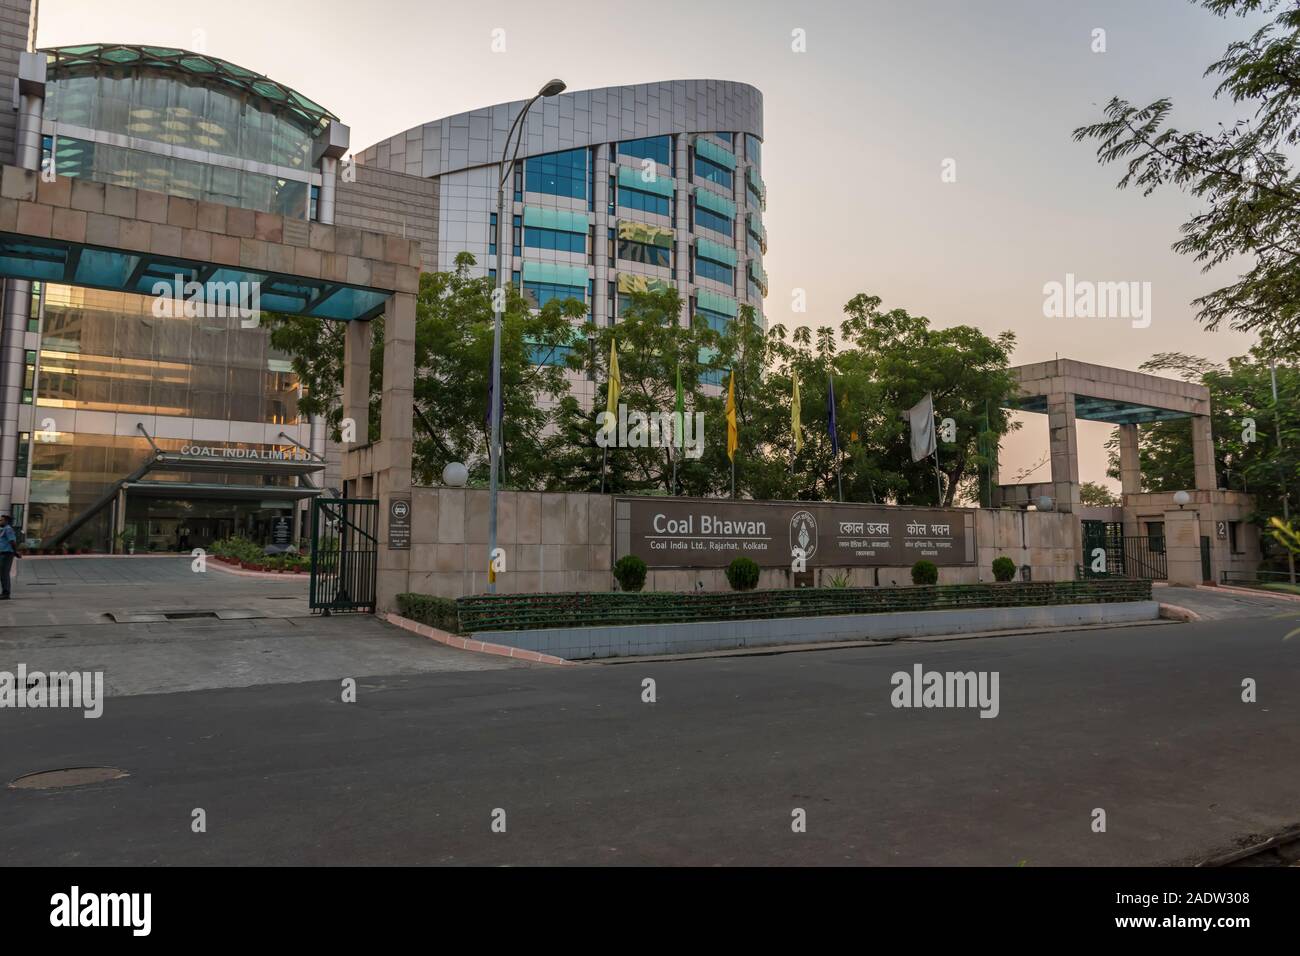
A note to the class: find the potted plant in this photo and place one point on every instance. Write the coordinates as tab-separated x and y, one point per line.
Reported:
127	539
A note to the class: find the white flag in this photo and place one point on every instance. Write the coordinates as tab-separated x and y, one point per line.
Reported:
921	417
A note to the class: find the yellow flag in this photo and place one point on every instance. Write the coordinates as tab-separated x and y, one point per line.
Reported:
732	437
615	382
796	416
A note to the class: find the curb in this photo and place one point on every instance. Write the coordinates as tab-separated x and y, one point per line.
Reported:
1251	592
269	575
1172	612
467	644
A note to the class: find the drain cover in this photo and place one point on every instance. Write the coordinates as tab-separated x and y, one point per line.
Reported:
68	777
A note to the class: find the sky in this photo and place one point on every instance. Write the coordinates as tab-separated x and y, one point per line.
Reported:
859	130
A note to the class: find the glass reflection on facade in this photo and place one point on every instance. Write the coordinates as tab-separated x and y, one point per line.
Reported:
71	472
107	351
166	109
140	169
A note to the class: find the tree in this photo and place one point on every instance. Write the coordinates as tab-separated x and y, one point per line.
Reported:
652	345
1095	494
1241	172
1245	423
453	358
895	359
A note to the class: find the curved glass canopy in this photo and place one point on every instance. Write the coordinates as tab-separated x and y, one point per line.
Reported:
68	60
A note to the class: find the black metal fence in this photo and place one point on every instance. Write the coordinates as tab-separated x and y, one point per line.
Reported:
1146	558
517	611
344	554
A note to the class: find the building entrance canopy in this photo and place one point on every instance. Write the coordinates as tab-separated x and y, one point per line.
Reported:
208	288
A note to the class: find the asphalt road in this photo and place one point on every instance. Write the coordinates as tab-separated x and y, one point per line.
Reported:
1144	722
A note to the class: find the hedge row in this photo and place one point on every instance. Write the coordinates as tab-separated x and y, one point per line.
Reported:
433	611
503	612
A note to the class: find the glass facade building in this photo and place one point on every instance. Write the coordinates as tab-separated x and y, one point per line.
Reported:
662	172
113	383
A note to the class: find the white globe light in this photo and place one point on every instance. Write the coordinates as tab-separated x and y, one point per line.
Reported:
1181	498
1044	503
455	475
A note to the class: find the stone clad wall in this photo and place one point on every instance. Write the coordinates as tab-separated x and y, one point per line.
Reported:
564	542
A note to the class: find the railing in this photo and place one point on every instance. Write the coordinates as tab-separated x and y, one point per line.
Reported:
1146	558
344	554
1251	578
517	611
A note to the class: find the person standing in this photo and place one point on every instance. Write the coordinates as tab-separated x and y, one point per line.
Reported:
8	552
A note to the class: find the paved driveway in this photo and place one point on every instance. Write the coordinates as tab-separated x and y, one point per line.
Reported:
1214	604
153	625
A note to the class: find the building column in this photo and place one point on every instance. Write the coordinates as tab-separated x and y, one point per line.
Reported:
1183	547
393	460
1064	447
1203	453
30	91
682	216
357	337
1130	462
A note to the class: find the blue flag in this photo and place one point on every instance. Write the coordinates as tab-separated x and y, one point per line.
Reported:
830	414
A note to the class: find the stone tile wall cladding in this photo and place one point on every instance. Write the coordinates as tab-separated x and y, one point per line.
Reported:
564	542
135	220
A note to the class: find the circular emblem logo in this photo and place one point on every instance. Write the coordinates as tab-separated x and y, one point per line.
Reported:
401	509
803	534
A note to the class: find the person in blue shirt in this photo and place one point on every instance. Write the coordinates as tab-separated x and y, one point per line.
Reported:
8	551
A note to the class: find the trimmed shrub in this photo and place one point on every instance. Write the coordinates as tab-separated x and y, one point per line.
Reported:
629	572
742	574
1004	569
925	572
433	611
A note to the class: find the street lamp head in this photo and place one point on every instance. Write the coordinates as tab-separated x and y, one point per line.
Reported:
1181	498
1044	503
553	88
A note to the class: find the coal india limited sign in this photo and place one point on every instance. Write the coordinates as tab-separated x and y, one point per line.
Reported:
708	533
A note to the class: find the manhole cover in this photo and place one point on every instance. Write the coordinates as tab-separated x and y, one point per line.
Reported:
68	777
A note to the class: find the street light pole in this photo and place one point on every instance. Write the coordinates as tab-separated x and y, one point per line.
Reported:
553	88
1286	494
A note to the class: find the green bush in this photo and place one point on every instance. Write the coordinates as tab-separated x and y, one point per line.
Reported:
427	609
742	574
925	572
629	572
1004	569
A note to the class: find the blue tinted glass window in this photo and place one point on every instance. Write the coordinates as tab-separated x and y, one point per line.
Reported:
726	138
717	320
646	202
754	150
712	172
642	252
715	271
754	245
658	148
492	235
549	355
540	293
711	220
555	239
558	174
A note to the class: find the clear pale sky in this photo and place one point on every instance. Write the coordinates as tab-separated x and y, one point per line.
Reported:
857	130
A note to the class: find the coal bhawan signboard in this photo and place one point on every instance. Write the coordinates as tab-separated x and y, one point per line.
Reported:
707	533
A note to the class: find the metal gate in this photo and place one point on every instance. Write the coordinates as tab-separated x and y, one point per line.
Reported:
1146	558
1207	570
344	554
1109	537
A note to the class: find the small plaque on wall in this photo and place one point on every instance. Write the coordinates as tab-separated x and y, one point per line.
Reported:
399	524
